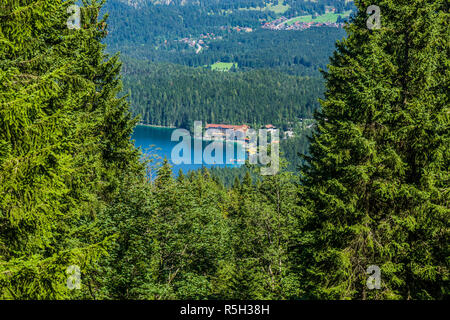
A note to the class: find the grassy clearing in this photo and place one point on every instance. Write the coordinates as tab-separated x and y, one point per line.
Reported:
328	17
223	66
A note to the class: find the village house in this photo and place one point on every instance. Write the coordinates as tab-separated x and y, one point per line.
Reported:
222	128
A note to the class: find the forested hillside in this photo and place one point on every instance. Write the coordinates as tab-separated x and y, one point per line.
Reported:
150	23
372	190
152	34
155	38
308	51
220	5
172	95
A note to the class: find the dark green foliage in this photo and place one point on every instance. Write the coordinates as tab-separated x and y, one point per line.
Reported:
307	50
375	186
173	95
64	145
173	236
312	7
151	24
191	238
153	33
261	227
227	176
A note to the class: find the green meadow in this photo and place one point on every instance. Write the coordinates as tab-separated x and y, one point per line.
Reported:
327	17
223	66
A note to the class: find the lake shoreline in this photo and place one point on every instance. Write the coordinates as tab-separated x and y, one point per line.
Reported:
157	141
202	139
155	126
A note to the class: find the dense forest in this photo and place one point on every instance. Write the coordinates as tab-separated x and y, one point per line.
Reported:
150	23
308	51
310	7
231	6
173	95
372	188
146	34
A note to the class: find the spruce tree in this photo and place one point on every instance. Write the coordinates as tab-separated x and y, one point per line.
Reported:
63	145
164	177
375	188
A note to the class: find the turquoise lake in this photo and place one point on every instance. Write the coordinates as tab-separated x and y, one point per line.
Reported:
157	141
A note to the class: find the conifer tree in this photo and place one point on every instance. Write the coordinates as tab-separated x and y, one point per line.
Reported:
181	176
164	177
261	224
375	186
64	140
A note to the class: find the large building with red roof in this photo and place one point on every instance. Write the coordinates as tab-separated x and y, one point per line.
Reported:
223	127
